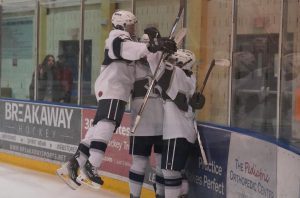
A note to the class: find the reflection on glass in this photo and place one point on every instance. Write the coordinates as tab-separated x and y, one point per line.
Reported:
17	47
254	81
59	36
213	44
290	95
94	23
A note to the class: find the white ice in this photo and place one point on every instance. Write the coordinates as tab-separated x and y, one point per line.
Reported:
16	182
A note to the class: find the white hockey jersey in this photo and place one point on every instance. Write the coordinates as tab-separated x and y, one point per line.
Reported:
117	71
151	123
178	88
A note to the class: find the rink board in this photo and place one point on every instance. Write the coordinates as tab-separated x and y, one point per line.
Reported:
42	136
241	163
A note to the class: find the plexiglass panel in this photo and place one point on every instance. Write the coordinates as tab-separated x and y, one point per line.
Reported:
150	13
97	25
255	65
209	24
290	100
17	48
59	34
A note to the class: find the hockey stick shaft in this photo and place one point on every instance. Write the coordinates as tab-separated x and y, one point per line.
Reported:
181	8
178	39
138	118
215	62
139	115
203	154
212	64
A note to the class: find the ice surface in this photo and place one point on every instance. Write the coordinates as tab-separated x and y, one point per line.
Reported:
16	182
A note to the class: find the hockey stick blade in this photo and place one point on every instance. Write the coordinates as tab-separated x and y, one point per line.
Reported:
180	36
222	62
181	8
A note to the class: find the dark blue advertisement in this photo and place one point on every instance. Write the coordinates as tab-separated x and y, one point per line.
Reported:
209	180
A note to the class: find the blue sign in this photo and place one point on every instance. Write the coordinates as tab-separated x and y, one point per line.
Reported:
209	180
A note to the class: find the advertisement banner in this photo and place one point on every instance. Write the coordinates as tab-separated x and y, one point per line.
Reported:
252	168
288	174
41	130
209	180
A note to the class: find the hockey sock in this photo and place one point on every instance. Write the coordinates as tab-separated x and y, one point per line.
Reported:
137	174
184	185
159	179
82	154
173	182
103	132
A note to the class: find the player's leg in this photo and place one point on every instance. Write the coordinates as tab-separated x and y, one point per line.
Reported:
173	181
68	172
107	120
174	157
89	172
159	179
140	149
184	186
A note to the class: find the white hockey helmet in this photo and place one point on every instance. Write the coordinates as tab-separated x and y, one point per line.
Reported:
121	18
183	58
145	38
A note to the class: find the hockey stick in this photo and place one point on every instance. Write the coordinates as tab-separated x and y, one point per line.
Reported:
214	62
178	40
163	56
180	36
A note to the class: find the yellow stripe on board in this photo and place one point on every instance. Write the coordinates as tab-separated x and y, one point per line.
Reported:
47	167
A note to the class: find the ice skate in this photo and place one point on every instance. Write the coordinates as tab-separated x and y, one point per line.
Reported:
69	172
89	176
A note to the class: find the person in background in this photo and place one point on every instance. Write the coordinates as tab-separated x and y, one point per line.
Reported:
178	85
65	77
48	84
148	133
112	89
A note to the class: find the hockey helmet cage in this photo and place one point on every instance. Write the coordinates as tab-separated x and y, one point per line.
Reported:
121	18
185	59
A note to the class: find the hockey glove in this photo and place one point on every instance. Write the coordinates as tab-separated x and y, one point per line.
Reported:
152	33
165	45
197	101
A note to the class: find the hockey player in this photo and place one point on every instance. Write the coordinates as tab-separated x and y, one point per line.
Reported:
112	90
177	82
148	134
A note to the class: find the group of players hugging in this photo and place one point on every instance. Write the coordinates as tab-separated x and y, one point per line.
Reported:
167	122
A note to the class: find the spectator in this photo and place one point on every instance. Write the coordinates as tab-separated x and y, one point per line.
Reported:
49	88
65	77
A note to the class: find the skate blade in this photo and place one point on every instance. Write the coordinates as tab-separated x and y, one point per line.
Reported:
85	181
65	178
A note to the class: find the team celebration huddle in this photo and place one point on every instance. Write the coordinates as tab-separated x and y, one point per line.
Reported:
156	76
